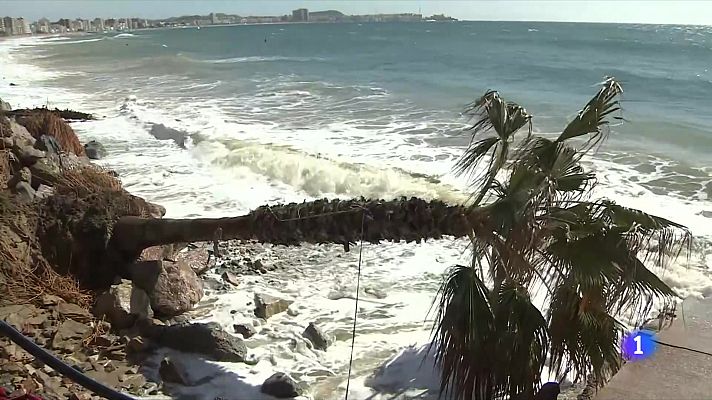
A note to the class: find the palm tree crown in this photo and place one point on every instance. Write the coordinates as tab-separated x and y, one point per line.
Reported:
536	229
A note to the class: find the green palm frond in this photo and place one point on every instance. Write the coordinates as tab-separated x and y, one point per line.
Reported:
593	117
489	345
464	335
491	114
583	338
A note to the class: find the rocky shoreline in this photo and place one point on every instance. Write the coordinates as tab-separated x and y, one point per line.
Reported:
115	335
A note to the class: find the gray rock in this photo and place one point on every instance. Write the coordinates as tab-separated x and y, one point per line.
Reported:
23	175
73	311
24	191
230	278
317	337
69	334
48	144
162	132
44	191
247	331
27	155
267	306
176	291
206	339
144	274
108	307
95	150
5	106
281	386
21	135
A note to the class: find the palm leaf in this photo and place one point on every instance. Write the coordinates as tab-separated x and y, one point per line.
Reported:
594	115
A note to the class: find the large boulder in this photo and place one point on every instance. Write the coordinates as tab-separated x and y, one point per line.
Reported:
316	336
206	339
95	150
176	289
21	135
281	386
247	331
267	306
48	144
27	155
24	192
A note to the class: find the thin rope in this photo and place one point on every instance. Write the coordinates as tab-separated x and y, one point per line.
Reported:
358	287
682	348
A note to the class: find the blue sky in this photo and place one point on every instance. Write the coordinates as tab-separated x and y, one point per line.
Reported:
651	11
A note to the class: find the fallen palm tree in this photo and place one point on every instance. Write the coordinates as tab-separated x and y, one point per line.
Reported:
532	224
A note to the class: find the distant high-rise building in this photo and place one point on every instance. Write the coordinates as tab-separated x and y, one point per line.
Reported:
99	24
9	24
2	25
25	24
43	25
213	18
300	15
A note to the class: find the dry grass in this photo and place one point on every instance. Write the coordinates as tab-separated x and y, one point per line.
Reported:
45	122
86	180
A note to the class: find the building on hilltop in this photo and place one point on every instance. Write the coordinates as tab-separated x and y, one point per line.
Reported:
300	15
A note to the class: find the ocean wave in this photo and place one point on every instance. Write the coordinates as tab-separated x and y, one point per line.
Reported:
123	36
58	42
257	59
319	176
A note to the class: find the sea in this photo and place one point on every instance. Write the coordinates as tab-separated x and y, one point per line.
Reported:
293	112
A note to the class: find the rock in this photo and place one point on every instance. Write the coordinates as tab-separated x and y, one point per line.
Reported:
155	210
44	171
267	306
207	339
23	175
108	307
144	274
247	331
69	334
44	191
172	372
24	191
21	135
140	303
73	311
5	106
13	84
317	337
48	144
162	132
177	289
281	386
51	300
230	278
28	155
95	150
377	293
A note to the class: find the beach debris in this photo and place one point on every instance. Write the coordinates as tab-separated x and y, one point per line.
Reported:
267	306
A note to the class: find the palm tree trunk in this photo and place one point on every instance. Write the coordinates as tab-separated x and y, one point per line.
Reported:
320	221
